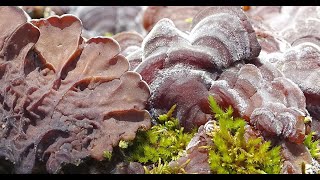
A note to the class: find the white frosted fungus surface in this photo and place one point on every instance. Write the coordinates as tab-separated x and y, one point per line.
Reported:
98	20
181	67
182	16
275	106
301	64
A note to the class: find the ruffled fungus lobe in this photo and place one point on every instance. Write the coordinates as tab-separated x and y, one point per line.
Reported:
180	67
295	24
279	18
303	27
180	15
264	97
293	156
301	64
63	99
130	43
98	20
298	59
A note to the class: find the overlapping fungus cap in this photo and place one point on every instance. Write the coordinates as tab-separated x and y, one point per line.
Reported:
63	99
180	67
293	24
299	29
182	16
98	20
130	43
304	27
301	65
264	97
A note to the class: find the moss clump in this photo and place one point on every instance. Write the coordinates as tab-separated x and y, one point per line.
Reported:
160	168
312	145
164	168
165	141
107	155
188	20
232	154
108	34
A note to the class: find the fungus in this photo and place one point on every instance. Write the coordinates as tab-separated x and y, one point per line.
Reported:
180	68
64	99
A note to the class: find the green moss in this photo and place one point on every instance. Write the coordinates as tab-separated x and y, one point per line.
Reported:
312	145
160	168
108	34
165	141
123	144
188	20
107	155
232	154
164	168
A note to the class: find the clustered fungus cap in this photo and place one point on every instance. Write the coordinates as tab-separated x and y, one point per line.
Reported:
180	68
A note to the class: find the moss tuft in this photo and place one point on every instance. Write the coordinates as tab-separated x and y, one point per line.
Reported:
107	155
232	153
312	145
166	141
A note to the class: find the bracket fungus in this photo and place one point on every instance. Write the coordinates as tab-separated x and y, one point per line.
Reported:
263	96
71	99
181	67
301	64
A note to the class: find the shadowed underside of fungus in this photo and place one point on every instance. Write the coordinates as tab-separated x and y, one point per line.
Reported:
62	98
180	67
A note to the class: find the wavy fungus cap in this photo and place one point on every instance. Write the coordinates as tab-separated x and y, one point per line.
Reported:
62	98
264	97
182	16
301	64
181	67
130	43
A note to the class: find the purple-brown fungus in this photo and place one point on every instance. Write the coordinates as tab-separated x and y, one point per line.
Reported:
180	68
263	96
182	16
130	43
98	20
301	64
62	98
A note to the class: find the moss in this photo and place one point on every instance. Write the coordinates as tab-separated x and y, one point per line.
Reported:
160	168
107	155
232	154
123	144
312	145
164	142
108	34
188	20
164	168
